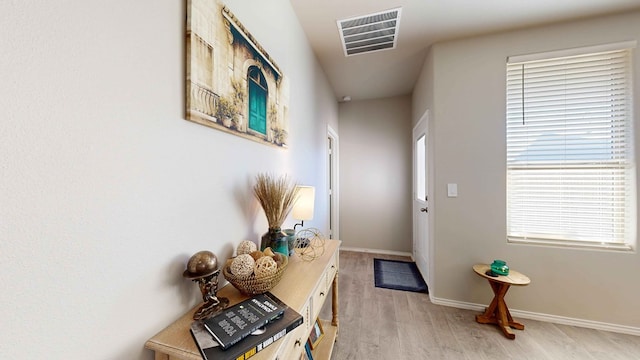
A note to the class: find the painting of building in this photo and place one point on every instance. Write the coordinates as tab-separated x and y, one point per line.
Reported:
232	84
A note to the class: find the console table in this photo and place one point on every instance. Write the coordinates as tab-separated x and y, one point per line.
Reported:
304	287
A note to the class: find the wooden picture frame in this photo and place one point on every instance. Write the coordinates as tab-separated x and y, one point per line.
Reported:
316	334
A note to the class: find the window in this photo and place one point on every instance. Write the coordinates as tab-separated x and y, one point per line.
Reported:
570	166
421	171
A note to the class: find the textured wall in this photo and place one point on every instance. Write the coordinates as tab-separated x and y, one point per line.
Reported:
106	190
467	81
375	174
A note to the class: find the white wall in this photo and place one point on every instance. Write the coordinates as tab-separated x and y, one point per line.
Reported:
463	82
375	174
106	190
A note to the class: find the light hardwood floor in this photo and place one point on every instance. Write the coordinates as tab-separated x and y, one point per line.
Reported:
385	324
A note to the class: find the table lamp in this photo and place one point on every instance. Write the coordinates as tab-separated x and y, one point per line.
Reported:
303	208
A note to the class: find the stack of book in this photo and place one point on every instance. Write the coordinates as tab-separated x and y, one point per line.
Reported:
244	329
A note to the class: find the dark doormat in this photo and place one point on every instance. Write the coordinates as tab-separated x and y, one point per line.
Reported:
398	275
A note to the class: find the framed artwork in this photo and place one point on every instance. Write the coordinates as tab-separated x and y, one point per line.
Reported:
316	335
232	83
306	354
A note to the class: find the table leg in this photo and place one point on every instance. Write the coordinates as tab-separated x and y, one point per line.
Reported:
161	356
512	323
489	316
334	301
498	313
501	315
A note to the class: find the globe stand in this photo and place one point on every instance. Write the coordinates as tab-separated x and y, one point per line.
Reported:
202	268
212	304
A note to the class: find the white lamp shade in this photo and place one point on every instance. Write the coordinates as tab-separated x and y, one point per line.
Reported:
303	208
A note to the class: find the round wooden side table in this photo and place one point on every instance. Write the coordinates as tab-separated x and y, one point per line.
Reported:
497	312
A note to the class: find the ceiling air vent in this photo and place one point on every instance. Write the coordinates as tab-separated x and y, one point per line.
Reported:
369	33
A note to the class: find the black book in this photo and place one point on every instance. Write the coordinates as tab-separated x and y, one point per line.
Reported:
249	346
240	320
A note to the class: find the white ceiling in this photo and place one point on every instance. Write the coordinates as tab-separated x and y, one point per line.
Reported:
424	22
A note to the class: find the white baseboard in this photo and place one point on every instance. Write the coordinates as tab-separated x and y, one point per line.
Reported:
377	251
597	325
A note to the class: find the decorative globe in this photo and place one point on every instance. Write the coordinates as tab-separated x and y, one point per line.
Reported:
202	263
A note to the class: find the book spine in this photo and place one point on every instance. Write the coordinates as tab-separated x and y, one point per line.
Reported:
213	334
198	345
270	340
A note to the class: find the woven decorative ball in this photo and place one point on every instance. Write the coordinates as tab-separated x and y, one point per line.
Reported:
246	247
279	258
257	254
265	267
252	285
242	266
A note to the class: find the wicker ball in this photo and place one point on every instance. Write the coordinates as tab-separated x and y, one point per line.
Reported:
268	252
278	258
246	247
242	265
265	266
257	254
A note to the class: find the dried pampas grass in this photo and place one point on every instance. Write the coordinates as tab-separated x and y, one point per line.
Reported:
276	196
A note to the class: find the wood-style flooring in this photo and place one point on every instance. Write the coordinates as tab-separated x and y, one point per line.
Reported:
378	323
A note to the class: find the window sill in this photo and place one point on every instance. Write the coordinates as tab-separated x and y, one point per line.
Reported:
568	244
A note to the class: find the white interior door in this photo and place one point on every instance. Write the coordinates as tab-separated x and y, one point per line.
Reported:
421	210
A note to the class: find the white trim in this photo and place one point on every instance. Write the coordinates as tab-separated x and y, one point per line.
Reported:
581	245
335	173
377	251
572	52
414	135
590	324
458	304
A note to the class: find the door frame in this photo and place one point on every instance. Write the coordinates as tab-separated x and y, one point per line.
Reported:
333	183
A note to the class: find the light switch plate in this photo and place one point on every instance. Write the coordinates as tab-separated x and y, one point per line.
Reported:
452	190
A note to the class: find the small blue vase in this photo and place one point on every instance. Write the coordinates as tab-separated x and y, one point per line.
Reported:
291	238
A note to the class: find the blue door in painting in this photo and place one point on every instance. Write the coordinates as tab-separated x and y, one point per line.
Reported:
257	101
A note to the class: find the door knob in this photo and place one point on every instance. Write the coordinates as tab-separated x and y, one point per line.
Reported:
424	209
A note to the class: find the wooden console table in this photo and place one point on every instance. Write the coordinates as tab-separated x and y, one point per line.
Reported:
304	287
497	312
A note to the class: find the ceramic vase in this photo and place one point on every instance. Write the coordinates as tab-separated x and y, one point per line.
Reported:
276	239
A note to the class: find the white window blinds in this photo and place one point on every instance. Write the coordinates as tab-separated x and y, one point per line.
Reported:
570	167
